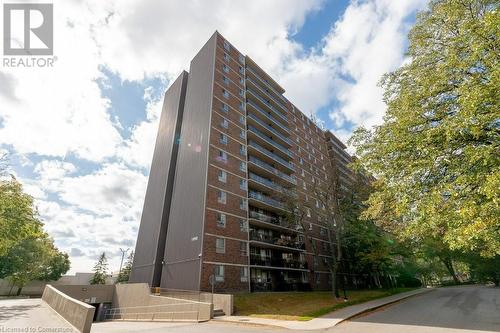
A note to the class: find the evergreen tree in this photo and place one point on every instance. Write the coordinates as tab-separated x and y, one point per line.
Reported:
100	270
125	272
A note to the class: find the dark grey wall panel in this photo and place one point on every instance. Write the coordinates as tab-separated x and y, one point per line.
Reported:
185	230
151	238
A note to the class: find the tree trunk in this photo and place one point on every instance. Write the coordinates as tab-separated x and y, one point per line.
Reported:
449	266
19	291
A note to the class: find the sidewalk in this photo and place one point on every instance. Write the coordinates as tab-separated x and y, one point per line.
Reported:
329	320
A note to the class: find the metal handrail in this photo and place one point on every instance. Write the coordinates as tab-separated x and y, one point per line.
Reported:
271	155
268	115
269	140
266	83
271	169
268	105
269	128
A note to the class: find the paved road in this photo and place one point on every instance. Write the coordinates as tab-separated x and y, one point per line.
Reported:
445	310
30	315
454	309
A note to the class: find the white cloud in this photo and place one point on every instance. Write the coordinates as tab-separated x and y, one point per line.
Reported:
368	41
55	112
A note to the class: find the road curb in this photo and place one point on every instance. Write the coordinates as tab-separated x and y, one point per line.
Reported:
323	322
423	291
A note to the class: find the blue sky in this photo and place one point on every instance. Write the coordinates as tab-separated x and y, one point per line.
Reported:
80	135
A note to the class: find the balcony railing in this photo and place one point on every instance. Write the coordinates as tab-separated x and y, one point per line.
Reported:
267	104
281	106
268	115
271	155
269	128
258	260
285	241
266	182
264	82
271	169
266	199
269	140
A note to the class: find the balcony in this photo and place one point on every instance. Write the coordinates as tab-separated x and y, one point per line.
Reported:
254	160
267	94
258	260
270	141
265	83
269	116
271	155
267	201
267	104
270	129
266	182
281	241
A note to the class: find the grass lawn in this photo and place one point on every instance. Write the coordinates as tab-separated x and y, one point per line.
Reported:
302	305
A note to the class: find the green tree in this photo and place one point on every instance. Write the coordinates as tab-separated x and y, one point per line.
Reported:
100	270
436	156
125	272
26	251
18	217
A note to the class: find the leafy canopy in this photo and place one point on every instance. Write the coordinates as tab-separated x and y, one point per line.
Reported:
437	156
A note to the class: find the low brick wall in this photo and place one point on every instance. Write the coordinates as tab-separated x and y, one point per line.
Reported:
77	313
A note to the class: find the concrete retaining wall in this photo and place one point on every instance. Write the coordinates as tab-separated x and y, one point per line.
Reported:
136	303
97	293
75	312
224	302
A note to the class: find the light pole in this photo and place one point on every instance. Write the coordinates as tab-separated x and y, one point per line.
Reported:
121	262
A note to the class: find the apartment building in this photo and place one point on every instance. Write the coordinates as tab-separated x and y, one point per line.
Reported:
229	145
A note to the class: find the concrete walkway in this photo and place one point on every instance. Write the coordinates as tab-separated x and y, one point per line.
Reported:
327	321
31	315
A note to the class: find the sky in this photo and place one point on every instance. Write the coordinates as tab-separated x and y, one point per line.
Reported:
80	135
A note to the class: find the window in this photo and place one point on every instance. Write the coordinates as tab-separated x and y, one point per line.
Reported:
242	82
242	134
322	231
225	68
242	106
225	93
223	139
220	245
243	204
242	118
310	227
221	197
222	156
226	56
244	274
224	108
221	220
241	58
219	273
243	249
243	184
243	225
225	80
325	249
315	261
222	176
243	150
241	70
224	123
317	202
301	161
227	46
308	211
318	279
242	93
305	277
243	166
